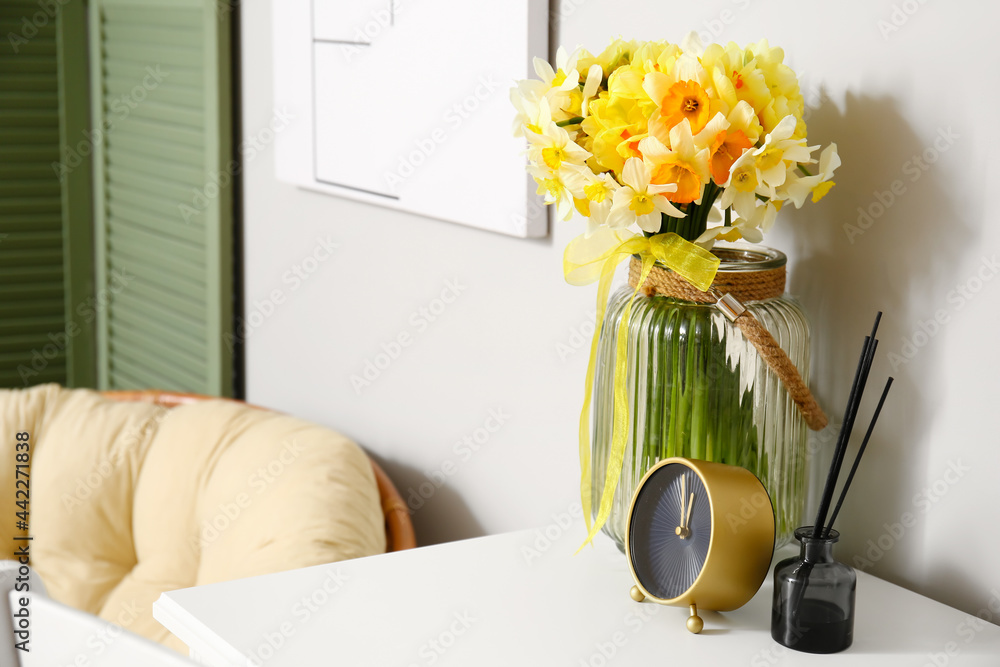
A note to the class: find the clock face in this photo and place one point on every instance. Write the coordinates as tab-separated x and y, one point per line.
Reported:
670	530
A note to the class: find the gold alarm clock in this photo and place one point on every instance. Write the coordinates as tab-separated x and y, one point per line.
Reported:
699	535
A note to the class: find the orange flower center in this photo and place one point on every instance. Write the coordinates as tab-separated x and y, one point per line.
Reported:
685	99
688	183
726	153
631	148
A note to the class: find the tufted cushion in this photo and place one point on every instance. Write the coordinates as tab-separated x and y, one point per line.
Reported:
130	499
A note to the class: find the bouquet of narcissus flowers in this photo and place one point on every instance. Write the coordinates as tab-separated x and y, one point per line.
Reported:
671	138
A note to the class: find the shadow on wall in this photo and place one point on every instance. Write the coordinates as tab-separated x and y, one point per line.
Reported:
876	243
428	501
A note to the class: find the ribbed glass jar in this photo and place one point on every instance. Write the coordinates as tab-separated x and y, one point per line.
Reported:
697	388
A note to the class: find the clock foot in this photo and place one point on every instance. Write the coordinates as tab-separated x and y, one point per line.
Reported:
694	622
636	594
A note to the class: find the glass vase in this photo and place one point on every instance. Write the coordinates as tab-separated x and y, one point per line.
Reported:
698	389
813	609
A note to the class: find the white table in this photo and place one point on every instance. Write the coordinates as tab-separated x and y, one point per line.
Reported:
524	599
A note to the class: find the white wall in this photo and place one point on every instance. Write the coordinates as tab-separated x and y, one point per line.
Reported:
884	98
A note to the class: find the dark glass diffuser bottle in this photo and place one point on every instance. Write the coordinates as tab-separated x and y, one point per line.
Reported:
813	608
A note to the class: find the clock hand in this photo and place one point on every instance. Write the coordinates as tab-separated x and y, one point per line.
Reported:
681	530
683	496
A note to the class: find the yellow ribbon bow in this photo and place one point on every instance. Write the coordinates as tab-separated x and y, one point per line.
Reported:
596	257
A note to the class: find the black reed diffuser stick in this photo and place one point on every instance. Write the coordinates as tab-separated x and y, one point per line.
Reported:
831	478
850	412
857	459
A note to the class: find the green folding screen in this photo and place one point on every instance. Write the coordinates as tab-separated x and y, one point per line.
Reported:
161	101
47	310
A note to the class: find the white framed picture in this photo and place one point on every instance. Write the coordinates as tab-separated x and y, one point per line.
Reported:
405	104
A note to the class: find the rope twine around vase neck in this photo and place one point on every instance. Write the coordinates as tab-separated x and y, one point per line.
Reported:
730	290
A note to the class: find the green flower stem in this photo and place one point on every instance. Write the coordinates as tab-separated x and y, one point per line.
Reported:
694	404
575	120
695	220
700	388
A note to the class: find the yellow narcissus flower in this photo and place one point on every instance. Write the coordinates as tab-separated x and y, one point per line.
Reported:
781	107
616	54
654	57
781	78
640	202
626	83
617	126
684	164
783	85
735	77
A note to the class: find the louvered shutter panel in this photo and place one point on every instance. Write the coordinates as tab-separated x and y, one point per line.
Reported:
161	88
45	252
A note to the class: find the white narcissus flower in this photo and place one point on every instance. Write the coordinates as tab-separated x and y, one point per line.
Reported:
778	151
640	202
740	191
692	44
556	84
533	113
565	77
599	195
594	77
749	229
761	221
554	147
556	88
798	187
685	164
761	171
560	187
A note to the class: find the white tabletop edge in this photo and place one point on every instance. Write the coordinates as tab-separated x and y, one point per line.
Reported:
194	633
210	645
